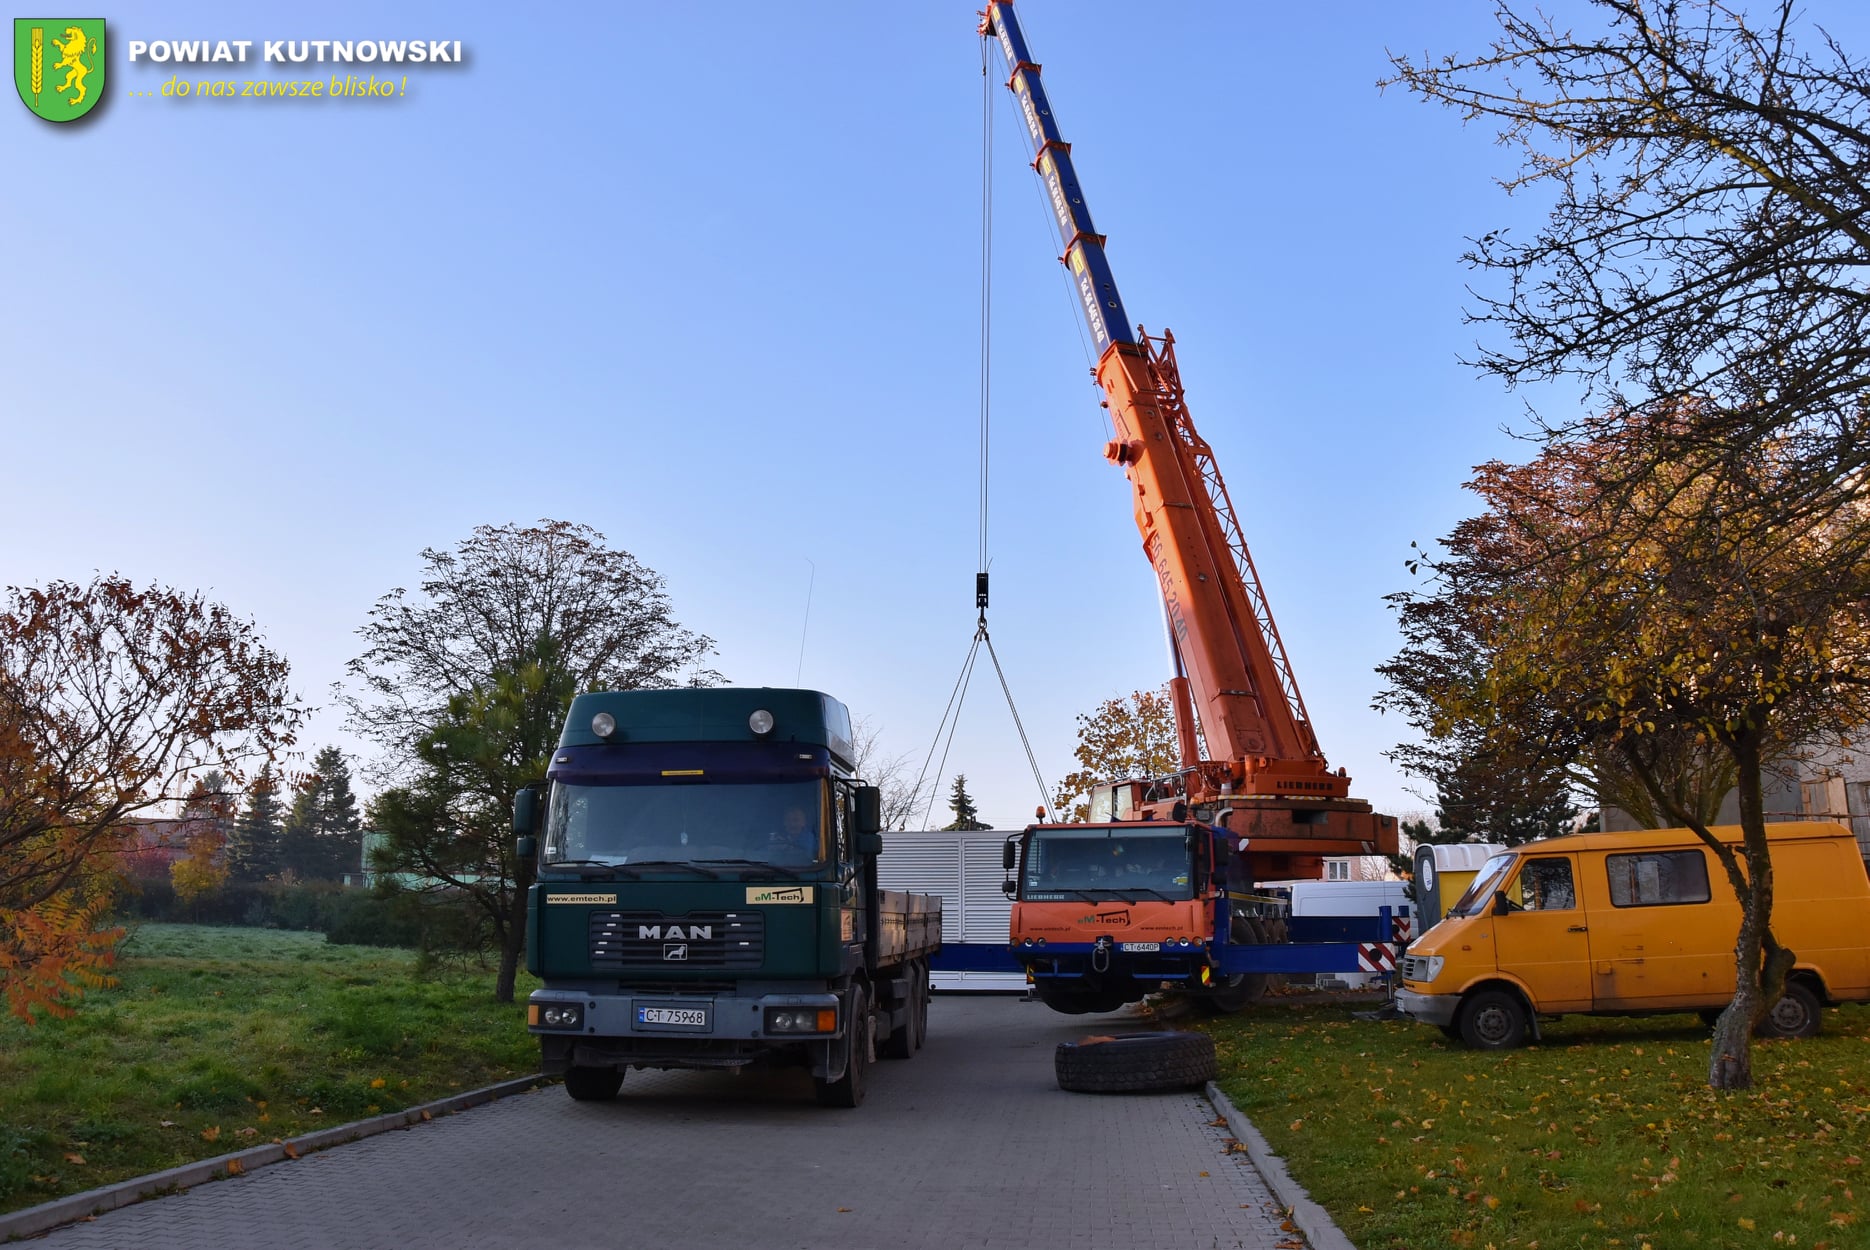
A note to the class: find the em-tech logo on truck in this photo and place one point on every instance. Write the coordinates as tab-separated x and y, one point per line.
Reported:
779	894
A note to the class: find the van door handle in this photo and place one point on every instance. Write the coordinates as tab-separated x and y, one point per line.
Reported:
1577	928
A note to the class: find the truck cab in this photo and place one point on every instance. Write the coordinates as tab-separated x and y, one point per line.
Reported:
706	894
1105	913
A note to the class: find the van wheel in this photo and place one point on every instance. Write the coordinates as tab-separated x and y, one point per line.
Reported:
1796	1014
593	1084
1493	1020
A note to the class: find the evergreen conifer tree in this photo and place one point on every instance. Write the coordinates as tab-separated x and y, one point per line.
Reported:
962	804
323	835
253	845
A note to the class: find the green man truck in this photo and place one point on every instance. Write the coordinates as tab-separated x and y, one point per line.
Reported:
707	895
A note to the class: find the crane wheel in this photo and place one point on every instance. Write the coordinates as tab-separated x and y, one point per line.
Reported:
1135	1063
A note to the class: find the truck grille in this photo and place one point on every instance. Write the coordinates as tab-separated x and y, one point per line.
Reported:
641	939
1413	967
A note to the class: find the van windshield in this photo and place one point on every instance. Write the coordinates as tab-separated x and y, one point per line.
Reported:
1480	893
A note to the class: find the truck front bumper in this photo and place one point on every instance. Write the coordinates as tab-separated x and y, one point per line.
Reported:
677	1030
1436	1009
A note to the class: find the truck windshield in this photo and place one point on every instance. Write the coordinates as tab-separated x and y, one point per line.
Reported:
1122	859
777	823
1479	895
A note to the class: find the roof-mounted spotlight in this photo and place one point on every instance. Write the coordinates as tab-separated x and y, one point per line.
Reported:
604	725
761	723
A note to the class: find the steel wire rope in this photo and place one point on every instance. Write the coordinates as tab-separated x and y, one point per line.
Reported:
955	698
959	694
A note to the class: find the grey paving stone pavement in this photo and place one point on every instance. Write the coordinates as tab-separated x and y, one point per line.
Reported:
968	1145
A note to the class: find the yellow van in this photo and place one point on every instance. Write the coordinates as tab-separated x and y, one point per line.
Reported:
1637	923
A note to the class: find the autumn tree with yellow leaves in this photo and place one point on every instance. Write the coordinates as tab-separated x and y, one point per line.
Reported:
1122	738
1675	617
1671	593
114	700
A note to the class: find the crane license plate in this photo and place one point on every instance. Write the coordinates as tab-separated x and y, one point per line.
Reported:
676	1017
1139	946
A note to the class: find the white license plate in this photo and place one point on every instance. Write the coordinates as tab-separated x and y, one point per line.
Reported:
680	1017
1139	946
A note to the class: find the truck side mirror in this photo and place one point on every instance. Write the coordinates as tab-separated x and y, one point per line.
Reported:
869	813
1501	904
870	843
525	811
525	846
1009	857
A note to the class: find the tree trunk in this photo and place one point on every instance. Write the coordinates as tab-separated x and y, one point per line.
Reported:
513	934
1730	1064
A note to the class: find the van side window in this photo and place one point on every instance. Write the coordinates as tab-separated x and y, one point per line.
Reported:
1654	878
1545	885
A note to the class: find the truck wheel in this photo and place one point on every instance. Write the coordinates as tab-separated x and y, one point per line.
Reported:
1796	1014
1243	988
593	1084
1135	1063
848	1090
1492	1020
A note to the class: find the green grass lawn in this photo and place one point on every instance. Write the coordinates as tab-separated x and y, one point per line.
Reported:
1604	1135
217	1039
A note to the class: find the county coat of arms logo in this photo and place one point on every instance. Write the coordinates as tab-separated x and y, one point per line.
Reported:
58	65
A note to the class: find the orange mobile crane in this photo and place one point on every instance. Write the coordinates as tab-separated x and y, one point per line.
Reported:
1265	804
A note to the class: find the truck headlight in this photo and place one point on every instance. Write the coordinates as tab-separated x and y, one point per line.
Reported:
1422	967
556	1015
801	1020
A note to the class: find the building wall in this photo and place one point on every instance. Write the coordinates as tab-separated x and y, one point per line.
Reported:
1832	783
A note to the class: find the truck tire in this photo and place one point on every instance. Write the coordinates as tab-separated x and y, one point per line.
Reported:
593	1084
848	1090
1492	1020
1135	1063
1243	988
1798	1013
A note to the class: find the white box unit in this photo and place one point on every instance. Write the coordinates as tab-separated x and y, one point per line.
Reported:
964	868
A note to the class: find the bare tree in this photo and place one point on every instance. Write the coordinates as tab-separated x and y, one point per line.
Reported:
1711	233
903	795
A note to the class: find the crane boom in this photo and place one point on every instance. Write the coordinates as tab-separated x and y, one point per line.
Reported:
1229	660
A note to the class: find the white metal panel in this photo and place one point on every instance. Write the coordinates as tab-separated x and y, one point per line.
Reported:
964	868
913	861
986	912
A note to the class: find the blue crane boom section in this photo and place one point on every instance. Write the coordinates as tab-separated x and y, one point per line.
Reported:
1084	247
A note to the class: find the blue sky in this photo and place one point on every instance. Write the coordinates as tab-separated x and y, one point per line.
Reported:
704	277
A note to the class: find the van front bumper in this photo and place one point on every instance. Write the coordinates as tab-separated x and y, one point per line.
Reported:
1436	1009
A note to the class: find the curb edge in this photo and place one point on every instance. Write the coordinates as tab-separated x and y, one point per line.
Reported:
1321	1232
74	1207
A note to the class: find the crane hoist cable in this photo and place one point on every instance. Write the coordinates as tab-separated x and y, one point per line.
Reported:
951	715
